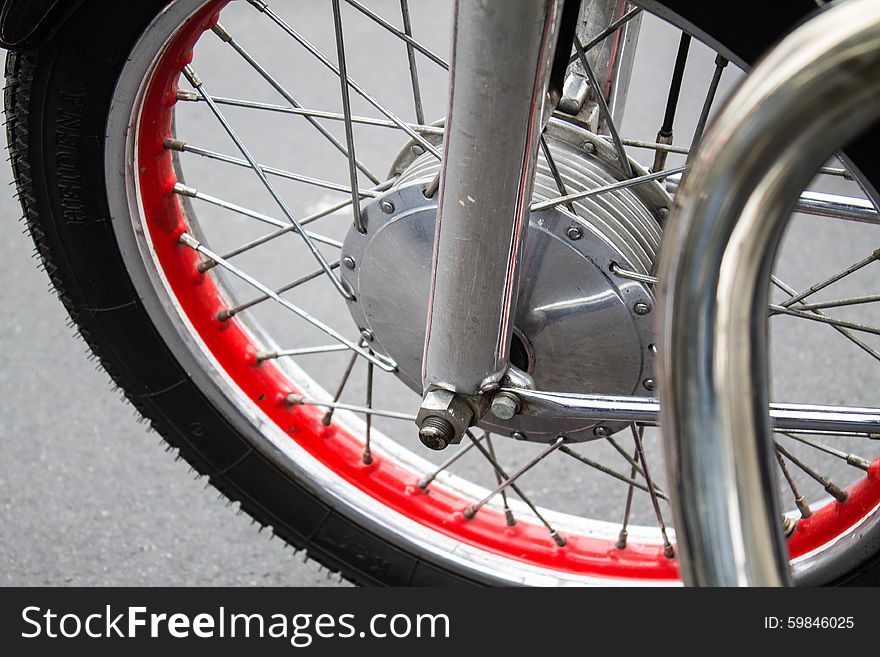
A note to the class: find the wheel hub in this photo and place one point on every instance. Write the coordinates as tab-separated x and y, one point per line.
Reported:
579	326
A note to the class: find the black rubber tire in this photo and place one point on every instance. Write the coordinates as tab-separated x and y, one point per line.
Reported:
57	102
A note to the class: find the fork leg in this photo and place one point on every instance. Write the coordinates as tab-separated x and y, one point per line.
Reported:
500	64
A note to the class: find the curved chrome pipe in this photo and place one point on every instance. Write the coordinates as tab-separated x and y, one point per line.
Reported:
812	94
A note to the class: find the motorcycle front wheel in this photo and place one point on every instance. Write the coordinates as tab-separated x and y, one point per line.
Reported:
217	339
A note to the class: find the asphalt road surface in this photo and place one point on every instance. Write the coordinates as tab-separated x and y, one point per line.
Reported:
88	496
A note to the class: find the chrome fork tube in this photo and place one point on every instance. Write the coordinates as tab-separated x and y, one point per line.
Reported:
501	61
816	91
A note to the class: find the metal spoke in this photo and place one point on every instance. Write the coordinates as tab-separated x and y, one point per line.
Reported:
633	275
508	513
844	332
799	500
367	454
832	279
558	538
668	550
851	459
830	487
425	481
613	187
299	400
183	147
471	511
634	462
720	65
191	192
196	82
406	36
263	7
303	351
411	59
604	110
183	94
226	37
229	313
627	509
824	319
554	170
346	373
248	246
565	449
188	240
839	303
664	136
346	111
607	32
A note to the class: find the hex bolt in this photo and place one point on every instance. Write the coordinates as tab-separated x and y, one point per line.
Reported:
574	233
505	406
648	383
387	206
641	308
348	261
602	432
436	432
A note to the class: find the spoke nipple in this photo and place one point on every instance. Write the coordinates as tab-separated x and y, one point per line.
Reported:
184	190
387	206
423	483
190	74
328	416
621	539
574	233
436	432
837	492
788	526
505	406
558	538
186	94
221	32
188	240
858	462
205	265
225	315
367	457
470	512
266	355
173	144
293	399
641	308
602	432
348	261
669	551
367	335
508	515
803	506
